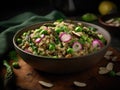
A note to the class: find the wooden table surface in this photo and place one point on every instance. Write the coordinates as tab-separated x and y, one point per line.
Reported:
27	78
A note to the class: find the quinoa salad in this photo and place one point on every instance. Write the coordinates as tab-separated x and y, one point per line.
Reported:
61	39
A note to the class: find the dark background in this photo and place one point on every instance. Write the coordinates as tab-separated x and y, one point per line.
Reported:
9	8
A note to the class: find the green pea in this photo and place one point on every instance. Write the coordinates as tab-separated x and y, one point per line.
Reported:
24	34
15	65
19	40
69	50
58	30
52	46
78	29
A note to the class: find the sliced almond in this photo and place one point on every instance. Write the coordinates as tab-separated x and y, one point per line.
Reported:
102	68
103	71
45	84
77	34
79	84
108	53
109	66
107	57
118	73
114	58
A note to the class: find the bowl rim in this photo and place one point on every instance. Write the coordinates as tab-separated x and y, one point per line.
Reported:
46	57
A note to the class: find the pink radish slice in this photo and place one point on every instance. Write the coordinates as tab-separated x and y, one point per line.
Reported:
38	40
65	37
61	33
26	50
97	43
77	46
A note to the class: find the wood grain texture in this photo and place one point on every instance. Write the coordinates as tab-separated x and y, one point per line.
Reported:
27	78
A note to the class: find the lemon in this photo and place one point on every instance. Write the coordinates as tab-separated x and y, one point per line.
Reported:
107	7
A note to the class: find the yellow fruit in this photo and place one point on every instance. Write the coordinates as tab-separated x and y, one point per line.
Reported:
106	7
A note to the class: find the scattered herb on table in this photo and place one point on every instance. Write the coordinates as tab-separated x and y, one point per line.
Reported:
13	56
9	75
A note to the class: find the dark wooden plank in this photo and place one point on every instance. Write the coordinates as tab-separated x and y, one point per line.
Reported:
27	77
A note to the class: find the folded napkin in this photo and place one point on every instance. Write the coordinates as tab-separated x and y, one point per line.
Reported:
18	22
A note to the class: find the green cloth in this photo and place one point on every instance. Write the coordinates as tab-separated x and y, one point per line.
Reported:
20	21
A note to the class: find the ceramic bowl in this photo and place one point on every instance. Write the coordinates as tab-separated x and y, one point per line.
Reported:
62	65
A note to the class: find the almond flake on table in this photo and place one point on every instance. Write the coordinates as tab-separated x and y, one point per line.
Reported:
102	68
118	73
107	57
79	84
107	69
45	84
108	53
114	58
110	66
103	71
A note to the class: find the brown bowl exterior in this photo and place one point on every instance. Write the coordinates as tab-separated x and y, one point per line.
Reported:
62	65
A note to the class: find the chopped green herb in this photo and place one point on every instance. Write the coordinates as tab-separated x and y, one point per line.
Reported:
92	28
82	41
59	20
55	56
78	29
58	30
51	46
9	75
43	32
69	50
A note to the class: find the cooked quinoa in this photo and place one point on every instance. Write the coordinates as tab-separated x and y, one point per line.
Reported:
61	39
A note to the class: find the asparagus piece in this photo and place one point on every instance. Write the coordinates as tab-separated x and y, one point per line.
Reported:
9	76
